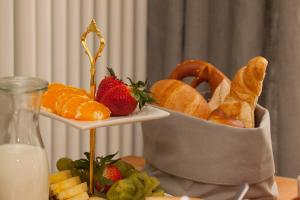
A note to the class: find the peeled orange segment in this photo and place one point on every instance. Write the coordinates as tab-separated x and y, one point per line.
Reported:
50	97
91	111
72	102
56	86
72	90
71	105
63	99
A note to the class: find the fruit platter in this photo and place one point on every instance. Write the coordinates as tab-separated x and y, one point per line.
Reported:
114	179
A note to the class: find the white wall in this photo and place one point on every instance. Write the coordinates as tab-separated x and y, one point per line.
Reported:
42	38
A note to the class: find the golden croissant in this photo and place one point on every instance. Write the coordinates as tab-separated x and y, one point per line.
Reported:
245	89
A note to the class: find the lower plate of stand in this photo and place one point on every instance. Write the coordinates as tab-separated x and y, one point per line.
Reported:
148	112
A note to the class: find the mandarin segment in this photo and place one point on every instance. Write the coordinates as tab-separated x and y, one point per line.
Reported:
61	100
71	105
73	90
72	102
50	97
91	111
56	86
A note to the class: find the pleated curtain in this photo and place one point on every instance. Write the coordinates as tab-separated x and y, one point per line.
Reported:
42	38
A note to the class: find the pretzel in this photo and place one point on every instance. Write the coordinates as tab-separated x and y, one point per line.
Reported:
201	70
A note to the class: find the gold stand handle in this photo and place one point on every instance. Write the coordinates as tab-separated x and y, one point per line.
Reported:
92	28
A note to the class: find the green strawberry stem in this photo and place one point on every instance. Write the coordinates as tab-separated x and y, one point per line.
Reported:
99	165
111	71
140	92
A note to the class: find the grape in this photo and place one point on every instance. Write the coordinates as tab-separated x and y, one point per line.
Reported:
64	164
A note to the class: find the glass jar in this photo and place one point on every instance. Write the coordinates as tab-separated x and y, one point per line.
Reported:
24	164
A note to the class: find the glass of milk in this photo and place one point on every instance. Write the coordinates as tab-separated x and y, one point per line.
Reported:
23	160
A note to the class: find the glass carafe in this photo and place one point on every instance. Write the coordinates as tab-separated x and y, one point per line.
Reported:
23	160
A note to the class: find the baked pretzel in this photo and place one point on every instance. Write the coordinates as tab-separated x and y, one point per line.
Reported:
201	70
204	71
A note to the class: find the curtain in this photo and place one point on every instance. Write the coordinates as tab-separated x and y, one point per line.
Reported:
42	38
228	33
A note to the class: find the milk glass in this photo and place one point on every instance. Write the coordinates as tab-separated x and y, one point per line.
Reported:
23	160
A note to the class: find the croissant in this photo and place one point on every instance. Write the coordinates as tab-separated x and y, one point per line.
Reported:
219	95
248	81
177	95
245	89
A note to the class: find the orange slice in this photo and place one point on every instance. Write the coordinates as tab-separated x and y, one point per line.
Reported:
49	98
56	86
62	99
71	105
91	111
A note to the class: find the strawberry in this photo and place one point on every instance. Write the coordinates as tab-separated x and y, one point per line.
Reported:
112	172
107	83
107	173
110	175
121	98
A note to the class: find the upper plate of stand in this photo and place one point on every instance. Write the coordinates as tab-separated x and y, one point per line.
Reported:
148	112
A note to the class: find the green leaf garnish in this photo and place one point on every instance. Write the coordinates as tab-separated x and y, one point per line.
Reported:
140	92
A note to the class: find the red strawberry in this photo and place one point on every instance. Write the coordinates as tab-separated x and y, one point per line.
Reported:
121	98
107	83
111	174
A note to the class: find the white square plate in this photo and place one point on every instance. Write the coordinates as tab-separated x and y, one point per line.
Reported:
147	113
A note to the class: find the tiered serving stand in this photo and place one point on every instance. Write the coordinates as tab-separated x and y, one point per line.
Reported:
147	113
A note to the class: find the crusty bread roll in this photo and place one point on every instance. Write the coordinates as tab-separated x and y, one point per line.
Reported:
137	162
244	92
179	96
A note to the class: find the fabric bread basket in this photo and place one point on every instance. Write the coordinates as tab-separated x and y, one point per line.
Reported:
198	158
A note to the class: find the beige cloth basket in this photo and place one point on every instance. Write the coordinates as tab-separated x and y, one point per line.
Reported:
199	158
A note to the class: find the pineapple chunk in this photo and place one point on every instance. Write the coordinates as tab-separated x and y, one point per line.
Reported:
59	176
73	191
82	196
64	185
